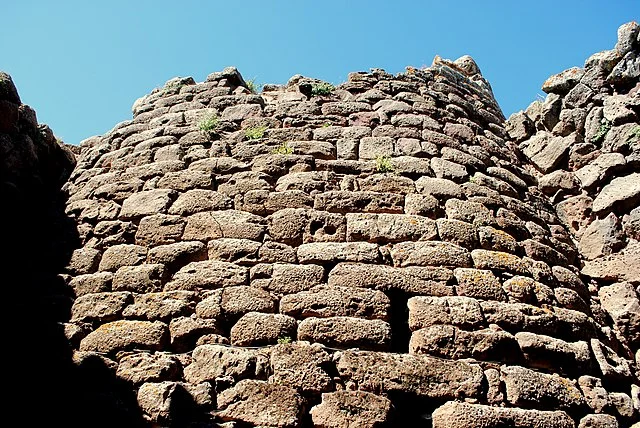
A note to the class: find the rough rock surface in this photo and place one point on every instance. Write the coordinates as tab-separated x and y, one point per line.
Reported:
354	255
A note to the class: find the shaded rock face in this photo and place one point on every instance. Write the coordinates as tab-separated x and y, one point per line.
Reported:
381	253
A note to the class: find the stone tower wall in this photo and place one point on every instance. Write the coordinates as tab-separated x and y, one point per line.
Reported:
389	252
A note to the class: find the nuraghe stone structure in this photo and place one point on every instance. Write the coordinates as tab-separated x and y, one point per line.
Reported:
389	252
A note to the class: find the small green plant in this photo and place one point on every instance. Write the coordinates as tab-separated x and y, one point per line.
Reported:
283	340
209	124
253	86
326	125
255	132
634	135
283	149
383	164
323	88
605	126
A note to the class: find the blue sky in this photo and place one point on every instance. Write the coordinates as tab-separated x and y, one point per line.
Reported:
82	64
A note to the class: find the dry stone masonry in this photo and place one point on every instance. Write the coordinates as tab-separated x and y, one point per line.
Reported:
388	252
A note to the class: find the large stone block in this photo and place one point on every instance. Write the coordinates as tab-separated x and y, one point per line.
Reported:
281	278
621	302
479	284
161	306
127	335
257	329
531	389
346	332
208	274
146	278
369	202
148	202
430	254
211	362
208	225
447	341
301	365
257	403
414	280
357	409
331	301
547	352
413	375
425	311
146	367
331	252
101	307
384	228
464	415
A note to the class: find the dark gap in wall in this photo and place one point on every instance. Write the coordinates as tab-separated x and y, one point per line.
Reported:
399	321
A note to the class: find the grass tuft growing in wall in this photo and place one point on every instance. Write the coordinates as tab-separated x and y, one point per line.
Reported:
255	132
283	149
383	164
323	88
209	124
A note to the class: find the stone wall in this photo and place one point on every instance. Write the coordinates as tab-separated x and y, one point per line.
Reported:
383	253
